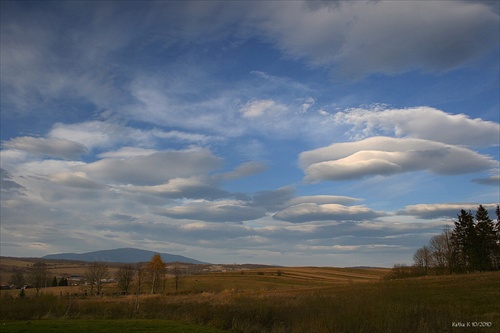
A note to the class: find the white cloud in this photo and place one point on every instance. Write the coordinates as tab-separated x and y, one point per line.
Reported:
53	147
153	169
46	167
77	179
159	103
307	212
127	152
91	134
444	210
215	211
11	157
108	134
324	199
258	108
387	156
421	122
192	188
245	170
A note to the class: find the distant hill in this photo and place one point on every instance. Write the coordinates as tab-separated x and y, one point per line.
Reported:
125	255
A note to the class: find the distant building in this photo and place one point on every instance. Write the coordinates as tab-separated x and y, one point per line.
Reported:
75	279
4	286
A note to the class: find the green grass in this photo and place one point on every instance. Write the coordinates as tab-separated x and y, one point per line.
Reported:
103	326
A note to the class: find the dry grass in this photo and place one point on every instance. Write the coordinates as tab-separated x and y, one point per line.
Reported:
298	299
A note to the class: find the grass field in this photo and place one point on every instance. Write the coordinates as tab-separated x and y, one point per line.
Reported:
281	299
103	326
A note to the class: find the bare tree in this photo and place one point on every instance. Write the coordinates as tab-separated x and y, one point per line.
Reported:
177	276
17	279
422	259
38	275
140	277
125	276
442	252
95	274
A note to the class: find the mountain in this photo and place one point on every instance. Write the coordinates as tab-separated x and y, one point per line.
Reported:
125	255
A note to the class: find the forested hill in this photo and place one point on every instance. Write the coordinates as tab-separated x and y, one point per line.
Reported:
125	255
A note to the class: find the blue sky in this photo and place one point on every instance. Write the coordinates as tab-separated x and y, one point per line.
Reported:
292	133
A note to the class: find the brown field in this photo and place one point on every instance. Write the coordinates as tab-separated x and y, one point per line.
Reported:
234	279
278	299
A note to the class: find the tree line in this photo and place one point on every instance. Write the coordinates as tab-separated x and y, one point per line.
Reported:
150	276
472	245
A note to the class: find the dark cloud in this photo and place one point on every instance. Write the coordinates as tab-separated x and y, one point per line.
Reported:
273	200
362	37
123	217
492	181
6	182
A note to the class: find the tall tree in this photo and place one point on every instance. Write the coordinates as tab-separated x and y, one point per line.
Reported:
95	274
17	279
38	276
485	241
464	240
177	276
497	247
422	259
125	276
156	268
442	252
63	282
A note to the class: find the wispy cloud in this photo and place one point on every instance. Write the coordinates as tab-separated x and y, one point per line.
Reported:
421	122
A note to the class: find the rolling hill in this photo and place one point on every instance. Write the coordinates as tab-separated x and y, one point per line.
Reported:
124	255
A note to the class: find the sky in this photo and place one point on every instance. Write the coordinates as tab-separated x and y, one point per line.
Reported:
323	133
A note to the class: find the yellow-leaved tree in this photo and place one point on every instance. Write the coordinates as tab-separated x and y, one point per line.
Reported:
156	269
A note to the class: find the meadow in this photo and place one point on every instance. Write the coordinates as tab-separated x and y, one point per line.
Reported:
283	299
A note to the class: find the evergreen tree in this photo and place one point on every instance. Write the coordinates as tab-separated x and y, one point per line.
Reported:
496	257
464	240
63	282
485	241
54	282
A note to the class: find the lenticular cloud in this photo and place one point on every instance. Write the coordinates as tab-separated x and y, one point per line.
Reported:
387	156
